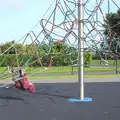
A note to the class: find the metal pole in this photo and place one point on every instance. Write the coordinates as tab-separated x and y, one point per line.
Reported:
81	48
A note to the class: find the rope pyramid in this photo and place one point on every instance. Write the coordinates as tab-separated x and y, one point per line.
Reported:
59	25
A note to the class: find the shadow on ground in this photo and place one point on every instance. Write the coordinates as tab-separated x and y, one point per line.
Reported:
50	102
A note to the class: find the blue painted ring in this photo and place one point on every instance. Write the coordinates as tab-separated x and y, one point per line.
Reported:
86	99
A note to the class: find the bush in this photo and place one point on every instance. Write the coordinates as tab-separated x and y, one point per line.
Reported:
87	59
13	60
30	60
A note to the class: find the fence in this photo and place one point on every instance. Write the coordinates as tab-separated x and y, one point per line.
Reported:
74	69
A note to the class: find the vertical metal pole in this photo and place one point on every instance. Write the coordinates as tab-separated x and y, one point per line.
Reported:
81	48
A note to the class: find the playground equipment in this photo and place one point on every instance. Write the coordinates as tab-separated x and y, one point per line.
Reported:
75	23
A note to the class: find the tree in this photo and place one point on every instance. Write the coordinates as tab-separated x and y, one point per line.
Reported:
14	47
112	31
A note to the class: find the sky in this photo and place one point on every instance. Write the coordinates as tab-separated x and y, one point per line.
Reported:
18	17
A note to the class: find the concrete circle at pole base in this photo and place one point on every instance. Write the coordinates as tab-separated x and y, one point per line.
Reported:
86	99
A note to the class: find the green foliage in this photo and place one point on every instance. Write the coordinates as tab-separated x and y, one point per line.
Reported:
112	31
112	22
13	60
12	46
30	60
20	55
58	60
87	59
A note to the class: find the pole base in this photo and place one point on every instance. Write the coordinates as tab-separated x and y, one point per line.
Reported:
78	100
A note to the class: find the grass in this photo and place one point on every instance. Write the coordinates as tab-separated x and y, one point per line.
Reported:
75	76
52	71
62	69
68	69
94	68
110	62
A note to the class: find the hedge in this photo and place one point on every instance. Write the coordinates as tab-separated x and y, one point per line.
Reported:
28	59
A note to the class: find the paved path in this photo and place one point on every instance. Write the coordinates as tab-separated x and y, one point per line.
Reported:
72	80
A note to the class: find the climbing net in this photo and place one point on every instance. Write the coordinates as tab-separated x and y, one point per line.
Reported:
60	25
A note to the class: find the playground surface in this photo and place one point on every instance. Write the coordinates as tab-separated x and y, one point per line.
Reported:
50	101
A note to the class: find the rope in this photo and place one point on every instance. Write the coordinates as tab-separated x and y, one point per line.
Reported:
61	25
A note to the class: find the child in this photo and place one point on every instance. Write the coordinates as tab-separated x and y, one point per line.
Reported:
23	83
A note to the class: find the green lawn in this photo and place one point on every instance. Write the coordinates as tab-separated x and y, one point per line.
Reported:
110	62
68	69
75	76
50	72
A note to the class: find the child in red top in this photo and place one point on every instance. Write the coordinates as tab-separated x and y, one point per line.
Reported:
24	83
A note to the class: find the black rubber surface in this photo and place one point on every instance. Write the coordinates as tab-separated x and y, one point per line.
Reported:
50	102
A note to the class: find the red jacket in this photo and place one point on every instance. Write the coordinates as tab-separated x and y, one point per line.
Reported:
25	84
